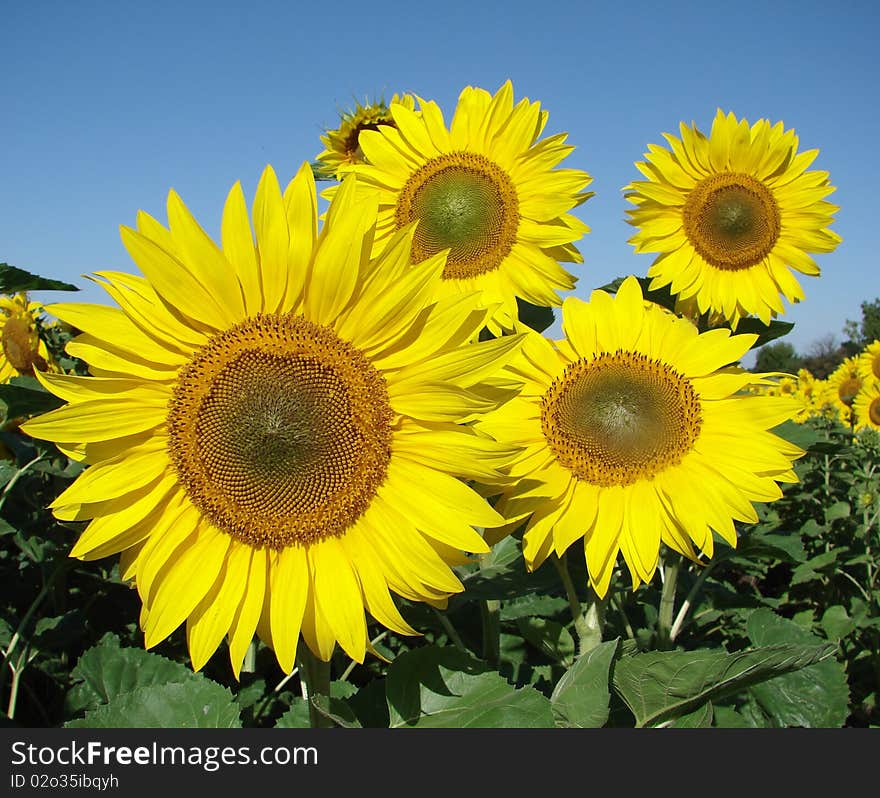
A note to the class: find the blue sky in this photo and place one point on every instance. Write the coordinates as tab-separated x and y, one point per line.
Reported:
107	105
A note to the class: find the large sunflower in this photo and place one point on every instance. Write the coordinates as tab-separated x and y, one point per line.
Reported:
620	420
22	351
731	215
342	144
487	190
272	431
866	406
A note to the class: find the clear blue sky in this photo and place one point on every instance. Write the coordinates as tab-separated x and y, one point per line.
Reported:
107	105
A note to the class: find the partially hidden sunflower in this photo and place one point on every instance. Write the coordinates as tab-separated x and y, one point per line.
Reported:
620	420
273	430
22	351
843	385
342	144
486	189
866	406
869	362
731	215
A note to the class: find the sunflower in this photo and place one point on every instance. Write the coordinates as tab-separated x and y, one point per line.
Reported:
869	362
620	420
843	385
866	406
731	215
272	432
486	189
22	351
808	389
342	145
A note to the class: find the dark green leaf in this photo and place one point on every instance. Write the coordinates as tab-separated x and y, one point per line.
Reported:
532	607
699	719
836	623
549	637
435	687
538	317
766	333
195	704
297	717
787	548
580	698
815	697
13	280
24	396
107	671
661	685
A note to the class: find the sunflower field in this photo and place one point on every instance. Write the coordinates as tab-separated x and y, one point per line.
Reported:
333	469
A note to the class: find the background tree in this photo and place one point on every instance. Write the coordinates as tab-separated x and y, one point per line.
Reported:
824	356
864	332
778	356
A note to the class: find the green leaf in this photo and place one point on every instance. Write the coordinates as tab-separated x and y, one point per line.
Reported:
532	607
801	435
699	719
538	317
808	570
837	510
195	704
107	671
787	548
503	575
549	637
433	687
580	698
661	685
727	718
816	697
766	333
24	396
297	717
13	280
837	623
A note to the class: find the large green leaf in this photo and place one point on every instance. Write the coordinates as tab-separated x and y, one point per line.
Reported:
107	671
538	317
816	697
195	704
549	637
24	396
661	685
580	698
434	687
13	279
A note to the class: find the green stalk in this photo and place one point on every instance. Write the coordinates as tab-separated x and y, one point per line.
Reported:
490	620
315	675
588	625
667	601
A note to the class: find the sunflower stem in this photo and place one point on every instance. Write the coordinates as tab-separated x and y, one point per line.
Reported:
450	630
490	613
315	676
667	601
588	625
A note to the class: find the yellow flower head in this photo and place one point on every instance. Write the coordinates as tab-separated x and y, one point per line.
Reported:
273	427
486	190
731	215
866	406
342	144
620	420
869	362
22	351
844	383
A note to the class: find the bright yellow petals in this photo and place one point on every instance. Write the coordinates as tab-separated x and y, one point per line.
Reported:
731	215
866	407
843	385
486	191
620	420
273	427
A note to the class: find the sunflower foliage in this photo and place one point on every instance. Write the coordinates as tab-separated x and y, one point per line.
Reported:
753	601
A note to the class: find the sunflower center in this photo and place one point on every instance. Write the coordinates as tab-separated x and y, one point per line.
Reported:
875	366
465	203
17	345
732	220
620	418
874	412
848	389
280	431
